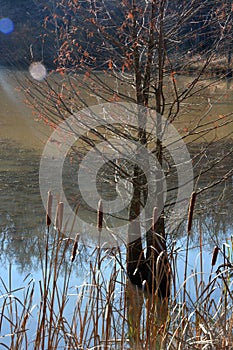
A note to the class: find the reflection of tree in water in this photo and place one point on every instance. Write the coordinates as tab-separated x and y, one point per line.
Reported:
216	224
20	207
22	214
215	202
28	251
21	251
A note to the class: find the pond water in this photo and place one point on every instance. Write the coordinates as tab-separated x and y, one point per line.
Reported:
22	140
22	215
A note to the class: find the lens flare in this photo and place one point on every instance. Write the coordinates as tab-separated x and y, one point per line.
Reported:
6	25
37	71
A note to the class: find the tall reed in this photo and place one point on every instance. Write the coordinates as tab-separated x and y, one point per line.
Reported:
105	311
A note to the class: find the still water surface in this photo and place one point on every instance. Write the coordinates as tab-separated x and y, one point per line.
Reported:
21	211
22	139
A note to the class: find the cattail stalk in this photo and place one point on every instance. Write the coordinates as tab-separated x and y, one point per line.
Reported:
191	210
154	218
59	215
190	221
100	215
75	248
214	255
49	208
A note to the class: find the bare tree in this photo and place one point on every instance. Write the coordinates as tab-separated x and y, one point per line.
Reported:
136	51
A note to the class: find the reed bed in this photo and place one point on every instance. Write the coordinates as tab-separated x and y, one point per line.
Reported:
106	311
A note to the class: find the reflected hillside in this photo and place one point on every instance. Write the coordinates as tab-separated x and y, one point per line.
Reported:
20	206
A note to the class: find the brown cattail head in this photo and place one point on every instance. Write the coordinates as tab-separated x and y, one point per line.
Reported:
100	215
191	210
214	255
49	208
75	248
154	218
59	215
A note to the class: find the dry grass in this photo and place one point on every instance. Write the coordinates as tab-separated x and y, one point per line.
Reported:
107	311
